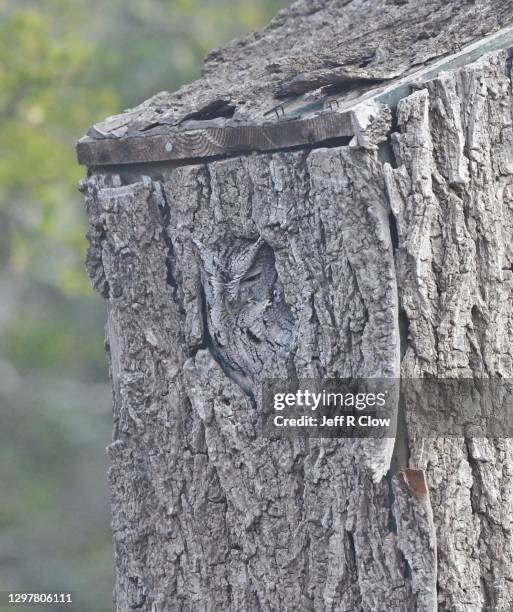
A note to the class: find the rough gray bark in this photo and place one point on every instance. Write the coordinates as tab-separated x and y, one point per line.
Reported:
232	519
452	197
348	45
218	275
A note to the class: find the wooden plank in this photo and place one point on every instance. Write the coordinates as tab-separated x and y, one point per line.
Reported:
215	141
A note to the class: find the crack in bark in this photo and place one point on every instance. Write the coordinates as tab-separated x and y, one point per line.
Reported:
165	211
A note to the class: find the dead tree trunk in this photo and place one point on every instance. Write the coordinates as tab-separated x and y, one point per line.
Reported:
347	213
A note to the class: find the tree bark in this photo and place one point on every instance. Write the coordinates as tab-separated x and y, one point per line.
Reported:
323	262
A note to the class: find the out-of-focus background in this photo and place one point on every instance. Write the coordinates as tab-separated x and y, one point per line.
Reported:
64	65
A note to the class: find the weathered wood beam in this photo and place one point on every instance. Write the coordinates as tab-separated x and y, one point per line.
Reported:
214	141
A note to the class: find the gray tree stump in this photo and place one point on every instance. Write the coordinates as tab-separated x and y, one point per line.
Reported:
334	198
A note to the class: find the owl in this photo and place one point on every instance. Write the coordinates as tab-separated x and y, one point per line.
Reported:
247	323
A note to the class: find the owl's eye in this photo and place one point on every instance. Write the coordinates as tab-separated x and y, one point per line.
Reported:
251	277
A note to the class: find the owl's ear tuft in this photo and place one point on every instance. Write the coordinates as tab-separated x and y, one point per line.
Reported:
255	250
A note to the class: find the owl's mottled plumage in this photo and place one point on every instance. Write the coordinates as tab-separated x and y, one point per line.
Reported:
245	309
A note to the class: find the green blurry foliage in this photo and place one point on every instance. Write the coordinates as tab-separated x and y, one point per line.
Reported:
64	65
160	44
54	526
45	99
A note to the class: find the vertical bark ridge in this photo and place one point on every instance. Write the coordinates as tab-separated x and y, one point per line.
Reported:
451	194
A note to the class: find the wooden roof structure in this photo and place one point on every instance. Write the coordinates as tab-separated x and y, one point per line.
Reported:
322	70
